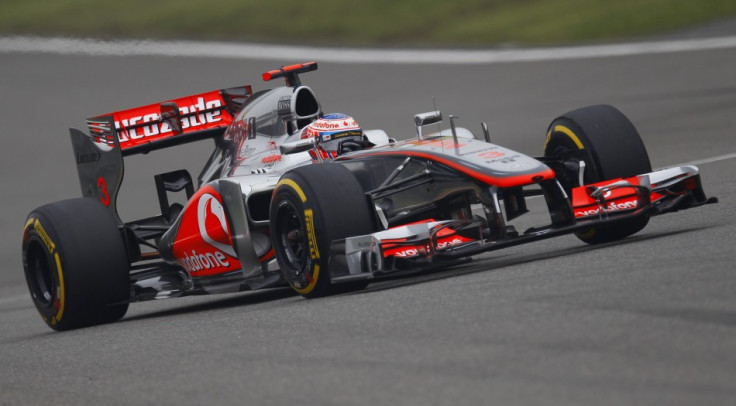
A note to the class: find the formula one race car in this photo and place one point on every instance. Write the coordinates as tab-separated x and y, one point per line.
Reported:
274	205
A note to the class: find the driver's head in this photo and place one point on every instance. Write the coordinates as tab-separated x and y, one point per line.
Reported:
335	134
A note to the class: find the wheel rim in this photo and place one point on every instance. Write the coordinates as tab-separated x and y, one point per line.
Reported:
292	239
566	149
40	278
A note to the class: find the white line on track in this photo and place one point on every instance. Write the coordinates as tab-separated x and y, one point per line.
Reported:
712	159
71	46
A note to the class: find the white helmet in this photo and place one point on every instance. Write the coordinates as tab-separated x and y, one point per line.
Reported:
335	134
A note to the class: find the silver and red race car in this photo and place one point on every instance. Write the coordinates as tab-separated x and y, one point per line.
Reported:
271	207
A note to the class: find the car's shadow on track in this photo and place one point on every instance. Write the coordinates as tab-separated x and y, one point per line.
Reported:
409	278
214	303
219	302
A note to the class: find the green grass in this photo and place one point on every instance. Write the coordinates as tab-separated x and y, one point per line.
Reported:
362	22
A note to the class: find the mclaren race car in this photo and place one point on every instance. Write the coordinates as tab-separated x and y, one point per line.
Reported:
271	207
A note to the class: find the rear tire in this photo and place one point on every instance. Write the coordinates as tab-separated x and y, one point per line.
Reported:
76	264
611	148
312	206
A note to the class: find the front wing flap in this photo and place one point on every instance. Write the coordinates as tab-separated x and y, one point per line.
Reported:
661	191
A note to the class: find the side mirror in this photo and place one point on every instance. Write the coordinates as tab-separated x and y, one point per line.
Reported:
431	117
422	119
486	134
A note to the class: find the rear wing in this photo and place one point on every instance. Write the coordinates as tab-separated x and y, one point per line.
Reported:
99	154
160	125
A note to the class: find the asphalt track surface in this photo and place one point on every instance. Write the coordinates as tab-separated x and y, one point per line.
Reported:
648	320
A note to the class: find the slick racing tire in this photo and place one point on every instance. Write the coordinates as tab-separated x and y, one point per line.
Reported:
611	148
76	264
312	206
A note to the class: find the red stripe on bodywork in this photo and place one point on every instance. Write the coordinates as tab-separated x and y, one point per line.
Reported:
507	181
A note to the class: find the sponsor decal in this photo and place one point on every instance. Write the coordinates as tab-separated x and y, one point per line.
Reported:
213	225
59	300
246	151
408	252
198	262
209	112
331	128
284	106
44	236
203	245
311	237
271	159
444	144
490	154
505	160
446	244
350	133
613	206
479	150
88	157
308	132
326	124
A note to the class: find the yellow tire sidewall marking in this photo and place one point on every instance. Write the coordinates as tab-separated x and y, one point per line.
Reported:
61	294
571	134
294	186
310	287
311	237
44	236
51	247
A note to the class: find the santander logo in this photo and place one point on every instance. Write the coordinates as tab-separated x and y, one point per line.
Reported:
213	224
208	112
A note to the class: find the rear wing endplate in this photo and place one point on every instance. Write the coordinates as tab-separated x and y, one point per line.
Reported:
99	154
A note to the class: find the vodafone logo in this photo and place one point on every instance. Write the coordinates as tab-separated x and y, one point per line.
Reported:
326	125
213	224
203	246
410	252
613	206
199	262
271	159
415	251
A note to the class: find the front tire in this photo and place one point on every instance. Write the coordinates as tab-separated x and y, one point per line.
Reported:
611	148
312	206
75	264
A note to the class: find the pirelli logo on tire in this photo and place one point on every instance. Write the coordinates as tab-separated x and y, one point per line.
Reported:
33	226
42	233
311	237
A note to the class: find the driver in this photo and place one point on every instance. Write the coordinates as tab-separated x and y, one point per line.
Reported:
334	134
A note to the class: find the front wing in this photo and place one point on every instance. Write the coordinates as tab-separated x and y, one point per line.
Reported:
430	242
